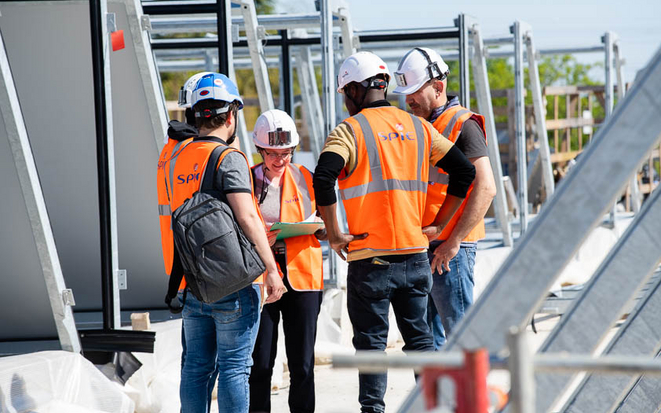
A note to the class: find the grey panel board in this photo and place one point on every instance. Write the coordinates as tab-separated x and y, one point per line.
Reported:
639	336
136	157
54	82
604	299
53	78
644	397
26	311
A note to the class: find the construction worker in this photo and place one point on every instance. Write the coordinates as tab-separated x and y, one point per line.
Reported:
284	193
178	136
221	335
382	156
422	76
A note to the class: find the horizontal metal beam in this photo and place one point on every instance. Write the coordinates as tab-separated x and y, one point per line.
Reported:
155	8
197	24
369	361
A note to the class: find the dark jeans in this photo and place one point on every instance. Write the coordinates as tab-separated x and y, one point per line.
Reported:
299	321
452	293
405	282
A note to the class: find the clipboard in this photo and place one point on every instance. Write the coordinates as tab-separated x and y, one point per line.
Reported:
295	229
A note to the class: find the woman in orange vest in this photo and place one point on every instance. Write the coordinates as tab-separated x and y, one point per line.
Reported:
284	193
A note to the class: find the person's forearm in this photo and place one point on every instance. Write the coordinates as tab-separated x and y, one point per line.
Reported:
479	200
329	216
450	205
254	230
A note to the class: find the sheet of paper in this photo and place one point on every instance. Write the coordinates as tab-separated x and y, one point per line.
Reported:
295	229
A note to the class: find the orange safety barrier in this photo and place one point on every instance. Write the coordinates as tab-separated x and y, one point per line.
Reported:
470	383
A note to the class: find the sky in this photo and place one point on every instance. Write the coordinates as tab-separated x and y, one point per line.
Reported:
557	23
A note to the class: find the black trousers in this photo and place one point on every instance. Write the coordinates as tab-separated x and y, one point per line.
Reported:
299	321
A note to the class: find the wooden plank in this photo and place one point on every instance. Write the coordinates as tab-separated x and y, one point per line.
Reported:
555	117
554	124
563	156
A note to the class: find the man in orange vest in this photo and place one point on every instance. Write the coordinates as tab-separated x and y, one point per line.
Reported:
382	156
179	135
422	76
220	336
284	192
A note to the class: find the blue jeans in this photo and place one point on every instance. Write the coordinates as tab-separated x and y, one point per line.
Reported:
452	292
219	337
403	281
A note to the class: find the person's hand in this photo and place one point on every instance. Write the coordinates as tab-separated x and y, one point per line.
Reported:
321	234
341	243
432	232
274	287
443	254
272	235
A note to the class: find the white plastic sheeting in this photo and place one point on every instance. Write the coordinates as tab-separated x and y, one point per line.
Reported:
58	382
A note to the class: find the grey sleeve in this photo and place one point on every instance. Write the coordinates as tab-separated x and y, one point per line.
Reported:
471	140
233	174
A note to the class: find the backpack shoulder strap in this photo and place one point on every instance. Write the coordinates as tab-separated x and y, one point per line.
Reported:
215	158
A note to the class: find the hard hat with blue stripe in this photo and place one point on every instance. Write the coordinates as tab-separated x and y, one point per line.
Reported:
216	86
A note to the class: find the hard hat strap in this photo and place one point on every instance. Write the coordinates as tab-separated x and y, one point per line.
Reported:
207	113
182	97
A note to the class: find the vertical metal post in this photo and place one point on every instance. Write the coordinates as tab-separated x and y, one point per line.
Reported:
310	95
464	70
286	75
634	190
224	35
328	89
35	204
539	105
349	45
257	57
520	126
608	40
242	131
485	107
103	124
522	373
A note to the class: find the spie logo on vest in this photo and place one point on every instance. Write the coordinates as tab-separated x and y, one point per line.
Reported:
399	135
294	199
184	179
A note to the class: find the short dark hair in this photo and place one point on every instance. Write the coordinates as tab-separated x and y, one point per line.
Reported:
214	121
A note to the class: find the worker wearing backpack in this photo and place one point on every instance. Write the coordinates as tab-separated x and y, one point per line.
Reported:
221	335
285	194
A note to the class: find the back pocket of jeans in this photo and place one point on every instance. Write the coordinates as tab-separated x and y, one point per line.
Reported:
227	309
370	280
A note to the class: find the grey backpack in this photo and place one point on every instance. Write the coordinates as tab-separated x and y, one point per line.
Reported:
216	256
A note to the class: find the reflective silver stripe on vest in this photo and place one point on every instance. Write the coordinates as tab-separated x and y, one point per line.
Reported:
302	186
378	183
173	160
453	121
164	210
438	177
420	134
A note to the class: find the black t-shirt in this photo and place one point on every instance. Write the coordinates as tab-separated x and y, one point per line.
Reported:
471	140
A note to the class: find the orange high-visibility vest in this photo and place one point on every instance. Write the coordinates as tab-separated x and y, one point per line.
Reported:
297	202
384	195
189	170
449	124
164	177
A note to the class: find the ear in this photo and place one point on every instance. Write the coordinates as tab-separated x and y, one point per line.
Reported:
230	118
439	86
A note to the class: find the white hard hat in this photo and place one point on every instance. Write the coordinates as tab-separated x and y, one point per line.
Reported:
186	91
360	66
275	129
417	67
